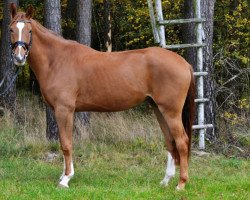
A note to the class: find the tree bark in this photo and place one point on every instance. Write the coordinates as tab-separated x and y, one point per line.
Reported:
188	34
83	36
53	15
207	12
53	22
84	18
6	64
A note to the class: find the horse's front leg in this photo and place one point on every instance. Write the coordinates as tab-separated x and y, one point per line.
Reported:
64	118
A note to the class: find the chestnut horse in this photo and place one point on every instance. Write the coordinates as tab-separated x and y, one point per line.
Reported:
74	77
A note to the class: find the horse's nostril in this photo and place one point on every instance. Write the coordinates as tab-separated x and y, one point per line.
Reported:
19	58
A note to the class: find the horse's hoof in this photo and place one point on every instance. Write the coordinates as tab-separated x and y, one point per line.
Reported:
166	180
61	185
180	187
164	183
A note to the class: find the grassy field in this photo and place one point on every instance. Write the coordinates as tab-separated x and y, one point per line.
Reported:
121	156
110	172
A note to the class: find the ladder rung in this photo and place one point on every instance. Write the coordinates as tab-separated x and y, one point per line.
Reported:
201	100
181	21
178	46
200	73
204	126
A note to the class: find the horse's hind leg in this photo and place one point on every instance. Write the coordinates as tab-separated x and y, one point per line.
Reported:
176	130
170	169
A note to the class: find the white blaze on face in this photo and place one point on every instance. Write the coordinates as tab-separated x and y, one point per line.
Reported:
20	26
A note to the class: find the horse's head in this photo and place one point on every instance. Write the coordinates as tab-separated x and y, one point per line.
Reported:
21	34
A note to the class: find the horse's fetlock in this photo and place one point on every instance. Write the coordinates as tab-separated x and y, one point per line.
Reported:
184	178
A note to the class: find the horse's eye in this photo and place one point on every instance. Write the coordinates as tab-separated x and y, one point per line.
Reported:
30	31
11	30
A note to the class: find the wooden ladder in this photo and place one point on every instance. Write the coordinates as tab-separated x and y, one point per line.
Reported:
158	26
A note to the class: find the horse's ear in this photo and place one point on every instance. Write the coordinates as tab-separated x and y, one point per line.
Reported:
13	10
30	12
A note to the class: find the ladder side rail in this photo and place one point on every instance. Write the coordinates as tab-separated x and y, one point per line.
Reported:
161	28
200	79
153	21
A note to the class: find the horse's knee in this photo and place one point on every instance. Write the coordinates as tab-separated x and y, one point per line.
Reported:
66	148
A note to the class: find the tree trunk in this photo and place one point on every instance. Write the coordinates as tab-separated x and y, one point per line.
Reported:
84	17
53	15
188	34
107	28
53	22
83	35
207	12
6	64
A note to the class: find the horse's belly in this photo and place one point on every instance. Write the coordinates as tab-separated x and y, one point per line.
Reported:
109	103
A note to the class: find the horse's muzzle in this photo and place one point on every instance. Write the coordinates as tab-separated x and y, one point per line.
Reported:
20	51
19	60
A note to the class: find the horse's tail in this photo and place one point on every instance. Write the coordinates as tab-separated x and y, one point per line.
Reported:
188	111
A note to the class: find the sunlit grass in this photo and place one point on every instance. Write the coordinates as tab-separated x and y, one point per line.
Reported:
107	172
120	156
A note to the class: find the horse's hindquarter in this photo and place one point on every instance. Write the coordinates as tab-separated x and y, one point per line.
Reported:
112	81
171	77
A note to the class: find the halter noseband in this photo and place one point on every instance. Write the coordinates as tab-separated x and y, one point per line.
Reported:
26	46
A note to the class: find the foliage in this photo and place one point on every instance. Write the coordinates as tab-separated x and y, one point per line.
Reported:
135	30
38	6
131	28
231	48
233	33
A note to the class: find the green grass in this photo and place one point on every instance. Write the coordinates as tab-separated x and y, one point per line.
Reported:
122	156
120	172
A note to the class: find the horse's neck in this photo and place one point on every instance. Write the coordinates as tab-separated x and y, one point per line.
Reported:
44	51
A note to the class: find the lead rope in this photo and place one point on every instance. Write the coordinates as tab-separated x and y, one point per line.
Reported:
5	92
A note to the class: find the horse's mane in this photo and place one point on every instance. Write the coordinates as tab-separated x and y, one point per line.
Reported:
44	29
